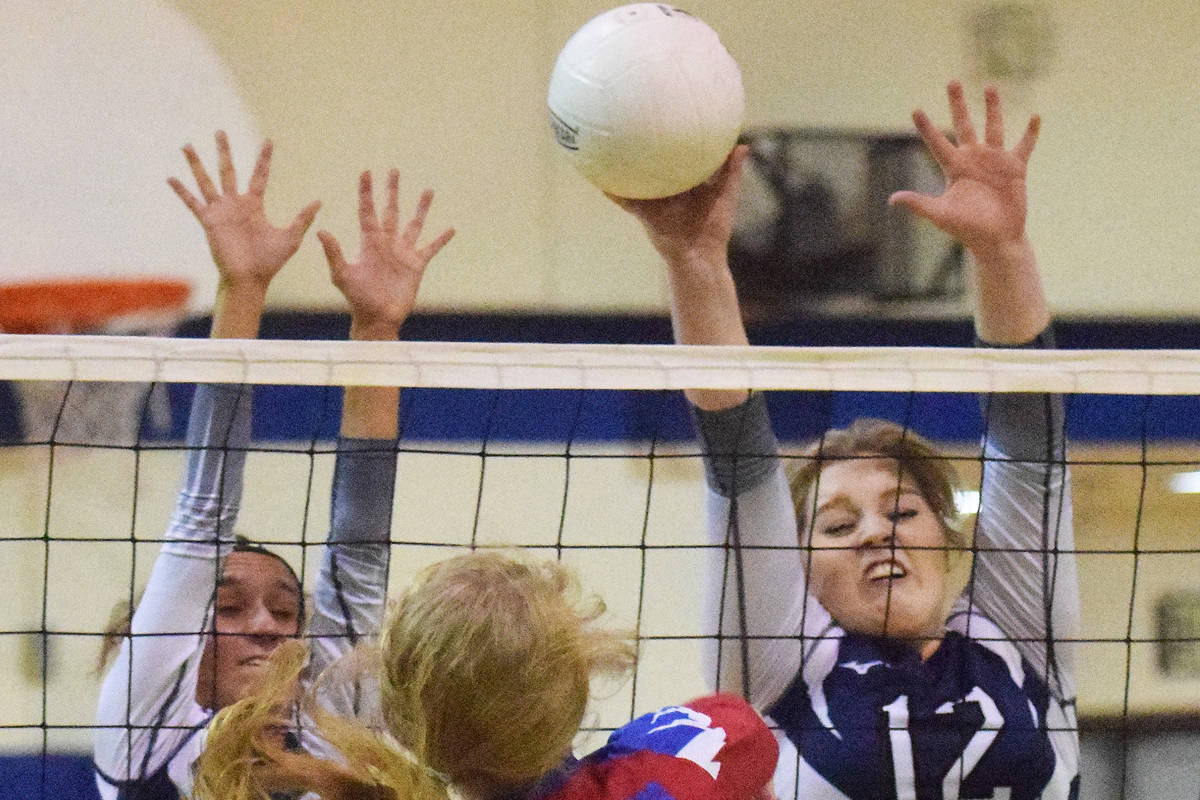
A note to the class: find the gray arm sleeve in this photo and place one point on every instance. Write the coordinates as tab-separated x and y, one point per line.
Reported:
218	437
351	589
147	700
1024	575
761	607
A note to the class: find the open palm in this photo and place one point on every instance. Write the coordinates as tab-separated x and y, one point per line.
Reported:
244	244
381	285
984	201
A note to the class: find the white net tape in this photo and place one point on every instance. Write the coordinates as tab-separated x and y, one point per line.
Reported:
540	366
624	507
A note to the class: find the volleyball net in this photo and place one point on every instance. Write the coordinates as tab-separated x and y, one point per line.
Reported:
580	452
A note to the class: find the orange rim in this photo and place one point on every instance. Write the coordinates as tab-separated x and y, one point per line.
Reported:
72	306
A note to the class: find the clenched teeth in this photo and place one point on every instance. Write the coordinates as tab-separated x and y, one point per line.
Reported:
885	570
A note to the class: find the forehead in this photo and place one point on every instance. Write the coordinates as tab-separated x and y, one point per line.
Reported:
257	571
867	478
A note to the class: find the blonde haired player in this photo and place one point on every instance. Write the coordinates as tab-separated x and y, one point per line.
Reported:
484	671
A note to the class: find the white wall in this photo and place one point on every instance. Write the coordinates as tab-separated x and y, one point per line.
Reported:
96	101
453	94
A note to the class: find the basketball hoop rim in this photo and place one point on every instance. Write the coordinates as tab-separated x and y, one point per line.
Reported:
78	305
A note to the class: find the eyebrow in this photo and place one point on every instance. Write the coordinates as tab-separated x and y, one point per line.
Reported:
236	582
836	501
839	500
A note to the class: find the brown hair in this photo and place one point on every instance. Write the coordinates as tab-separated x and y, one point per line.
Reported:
871	438
116	629
484	670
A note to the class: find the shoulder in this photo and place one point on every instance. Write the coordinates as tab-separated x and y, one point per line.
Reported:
976	635
713	747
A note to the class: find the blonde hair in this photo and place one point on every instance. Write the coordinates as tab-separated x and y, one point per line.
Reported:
865	438
116	630
245	756
487	662
484	670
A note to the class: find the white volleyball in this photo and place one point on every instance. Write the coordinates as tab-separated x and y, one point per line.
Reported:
646	101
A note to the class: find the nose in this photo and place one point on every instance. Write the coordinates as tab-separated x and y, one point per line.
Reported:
876	531
264	627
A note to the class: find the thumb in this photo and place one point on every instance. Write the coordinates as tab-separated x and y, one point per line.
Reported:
623	202
305	218
333	251
922	205
735	163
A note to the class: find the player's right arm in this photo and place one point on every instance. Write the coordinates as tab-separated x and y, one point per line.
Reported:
749	506
147	707
147	704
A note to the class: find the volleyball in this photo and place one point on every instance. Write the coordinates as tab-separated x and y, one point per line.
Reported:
646	101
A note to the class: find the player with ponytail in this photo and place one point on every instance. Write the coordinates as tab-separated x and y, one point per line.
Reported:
484	669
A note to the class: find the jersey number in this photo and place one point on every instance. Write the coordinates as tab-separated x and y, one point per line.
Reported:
981	740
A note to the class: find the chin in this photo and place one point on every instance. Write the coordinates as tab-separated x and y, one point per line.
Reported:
900	624
910	629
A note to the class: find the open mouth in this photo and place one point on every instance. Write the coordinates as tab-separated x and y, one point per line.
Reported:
885	571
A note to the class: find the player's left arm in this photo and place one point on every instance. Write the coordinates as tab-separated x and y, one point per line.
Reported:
1024	575
380	287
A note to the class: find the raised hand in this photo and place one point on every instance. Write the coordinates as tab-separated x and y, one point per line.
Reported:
246	247
381	286
984	201
698	222
691	232
984	206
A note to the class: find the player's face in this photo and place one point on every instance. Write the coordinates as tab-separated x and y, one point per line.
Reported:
257	607
878	560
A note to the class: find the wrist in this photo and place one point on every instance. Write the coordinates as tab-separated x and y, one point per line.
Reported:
1012	254
1010	304
698	265
365	329
242	290
237	311
691	249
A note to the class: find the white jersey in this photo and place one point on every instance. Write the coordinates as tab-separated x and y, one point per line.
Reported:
150	730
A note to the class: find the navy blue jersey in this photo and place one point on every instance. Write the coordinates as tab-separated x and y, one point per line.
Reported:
991	713
972	721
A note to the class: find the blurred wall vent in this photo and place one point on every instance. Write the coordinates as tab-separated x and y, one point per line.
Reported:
815	232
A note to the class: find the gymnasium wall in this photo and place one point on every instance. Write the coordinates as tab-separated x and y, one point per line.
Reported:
453	94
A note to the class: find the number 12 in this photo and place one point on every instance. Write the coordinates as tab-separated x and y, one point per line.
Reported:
981	740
